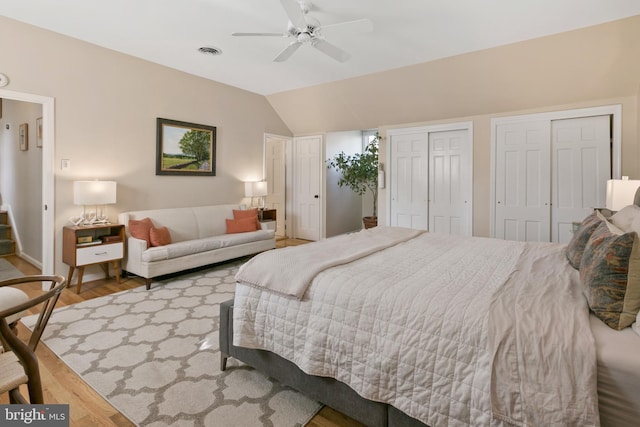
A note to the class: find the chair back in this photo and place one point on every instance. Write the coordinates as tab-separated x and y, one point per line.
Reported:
26	352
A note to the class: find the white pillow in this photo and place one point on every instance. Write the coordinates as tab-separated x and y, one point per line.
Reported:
626	217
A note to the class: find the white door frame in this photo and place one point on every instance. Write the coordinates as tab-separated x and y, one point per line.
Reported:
468	126
288	140
616	128
48	169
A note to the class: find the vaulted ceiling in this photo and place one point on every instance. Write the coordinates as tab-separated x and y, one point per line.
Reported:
405	32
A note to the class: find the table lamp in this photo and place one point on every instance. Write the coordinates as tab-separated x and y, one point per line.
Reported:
97	193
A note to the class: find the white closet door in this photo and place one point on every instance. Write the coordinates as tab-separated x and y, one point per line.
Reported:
409	185
450	182
307	173
275	174
581	166
522	177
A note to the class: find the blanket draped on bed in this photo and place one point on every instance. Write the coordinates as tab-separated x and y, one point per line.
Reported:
291	270
437	326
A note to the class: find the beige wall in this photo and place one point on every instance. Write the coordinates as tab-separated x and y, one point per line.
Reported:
595	66
106	105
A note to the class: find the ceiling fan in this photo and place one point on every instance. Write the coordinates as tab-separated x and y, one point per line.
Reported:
305	29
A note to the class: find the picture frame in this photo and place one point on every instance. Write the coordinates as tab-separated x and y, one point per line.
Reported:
39	132
185	148
23	136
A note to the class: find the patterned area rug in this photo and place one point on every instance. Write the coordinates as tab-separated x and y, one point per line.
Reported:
155	356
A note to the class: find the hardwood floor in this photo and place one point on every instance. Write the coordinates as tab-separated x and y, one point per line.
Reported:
87	407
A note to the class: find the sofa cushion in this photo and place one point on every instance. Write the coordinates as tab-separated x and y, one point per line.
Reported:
210	219
227	240
178	249
241	225
159	236
140	229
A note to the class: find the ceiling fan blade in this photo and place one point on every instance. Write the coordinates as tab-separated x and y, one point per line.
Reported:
333	51
294	12
349	27
260	34
287	52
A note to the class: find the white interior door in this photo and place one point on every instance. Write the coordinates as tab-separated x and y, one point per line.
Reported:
409	180
307	189
581	166
522	181
450	182
275	175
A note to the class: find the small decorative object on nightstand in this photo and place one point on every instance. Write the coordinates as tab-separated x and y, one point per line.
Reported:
93	244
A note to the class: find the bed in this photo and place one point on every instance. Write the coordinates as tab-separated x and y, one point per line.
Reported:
396	327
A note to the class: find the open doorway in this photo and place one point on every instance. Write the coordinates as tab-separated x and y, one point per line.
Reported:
276	152
48	141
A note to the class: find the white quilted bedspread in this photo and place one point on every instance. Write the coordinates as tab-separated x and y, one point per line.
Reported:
410	326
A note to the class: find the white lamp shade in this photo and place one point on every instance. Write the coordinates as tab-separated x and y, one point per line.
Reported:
260	188
255	189
94	192
621	192
248	189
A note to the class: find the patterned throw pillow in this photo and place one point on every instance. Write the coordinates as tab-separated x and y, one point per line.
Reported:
576	246
610	274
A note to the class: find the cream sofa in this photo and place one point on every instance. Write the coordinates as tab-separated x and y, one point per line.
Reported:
198	238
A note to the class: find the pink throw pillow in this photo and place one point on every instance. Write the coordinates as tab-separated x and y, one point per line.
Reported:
248	213
242	225
159	236
140	229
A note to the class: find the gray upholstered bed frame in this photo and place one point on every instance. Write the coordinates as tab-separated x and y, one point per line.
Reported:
329	391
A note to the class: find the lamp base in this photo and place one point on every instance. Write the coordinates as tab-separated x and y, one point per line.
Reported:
99	221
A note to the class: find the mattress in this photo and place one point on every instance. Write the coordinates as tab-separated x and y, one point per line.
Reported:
618	355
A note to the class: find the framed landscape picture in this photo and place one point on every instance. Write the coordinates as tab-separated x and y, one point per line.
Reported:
185	148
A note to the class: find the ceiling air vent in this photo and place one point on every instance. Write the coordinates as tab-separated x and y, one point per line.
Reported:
210	50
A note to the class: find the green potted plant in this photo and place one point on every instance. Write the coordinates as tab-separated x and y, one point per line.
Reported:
359	172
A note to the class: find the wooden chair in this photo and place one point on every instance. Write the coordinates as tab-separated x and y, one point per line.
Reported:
20	365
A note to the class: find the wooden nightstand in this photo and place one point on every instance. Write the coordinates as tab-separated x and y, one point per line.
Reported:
267	218
93	244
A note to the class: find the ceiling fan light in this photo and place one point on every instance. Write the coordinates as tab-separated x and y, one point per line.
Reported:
304	37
